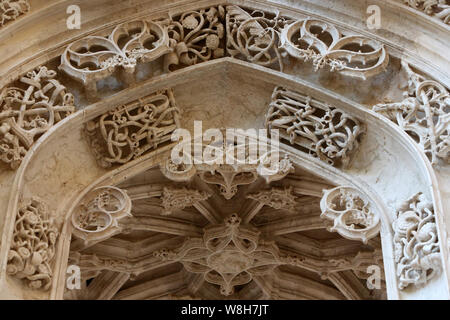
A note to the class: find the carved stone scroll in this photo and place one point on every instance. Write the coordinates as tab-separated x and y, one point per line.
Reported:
129	131
33	245
11	9
416	242
180	198
196	36
323	44
317	128
29	111
96	57
424	114
352	213
96	217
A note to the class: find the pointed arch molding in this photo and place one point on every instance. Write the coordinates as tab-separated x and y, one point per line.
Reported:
380	183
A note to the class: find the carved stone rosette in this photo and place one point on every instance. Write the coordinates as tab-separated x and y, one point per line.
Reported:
29	111
96	217
229	254
315	127
352	213
180	198
11	9
129	131
33	245
416	242
423	114
195	36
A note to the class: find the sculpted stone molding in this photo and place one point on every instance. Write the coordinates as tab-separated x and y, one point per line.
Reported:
11	9
33	245
96	217
195	36
323	44
129	131
277	198
315	127
417	252
435	8
96	57
229	254
30	110
180	198
424	114
352	213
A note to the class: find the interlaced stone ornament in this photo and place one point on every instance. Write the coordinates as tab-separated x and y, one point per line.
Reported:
11	9
33	245
416	242
29	111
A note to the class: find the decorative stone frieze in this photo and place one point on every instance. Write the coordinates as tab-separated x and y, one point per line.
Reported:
439	9
196	36
96	217
33	245
96	57
180	198
131	130
11	9
416	242
277	198
30	110
315	127
352	213
424	114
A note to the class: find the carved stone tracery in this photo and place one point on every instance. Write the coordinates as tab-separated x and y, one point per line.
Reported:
33	245
416	242
317	128
11	9
435	8
129	131
180	198
277	198
29	111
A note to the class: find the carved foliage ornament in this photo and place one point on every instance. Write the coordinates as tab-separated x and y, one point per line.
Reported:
195	36
11	9
277	198
180	198
229	255
424	114
96	217
416	242
317	128
33	245
28	111
131	130
352	213
436	8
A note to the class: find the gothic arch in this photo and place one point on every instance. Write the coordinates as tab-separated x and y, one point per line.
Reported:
382	138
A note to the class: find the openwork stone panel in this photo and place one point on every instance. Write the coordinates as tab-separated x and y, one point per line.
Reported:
96	57
439	9
315	127
129	131
196	36
424	114
10	10
96	217
352	213
33	245
416	242
30	110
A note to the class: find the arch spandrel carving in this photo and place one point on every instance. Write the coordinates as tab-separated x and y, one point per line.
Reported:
382	142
